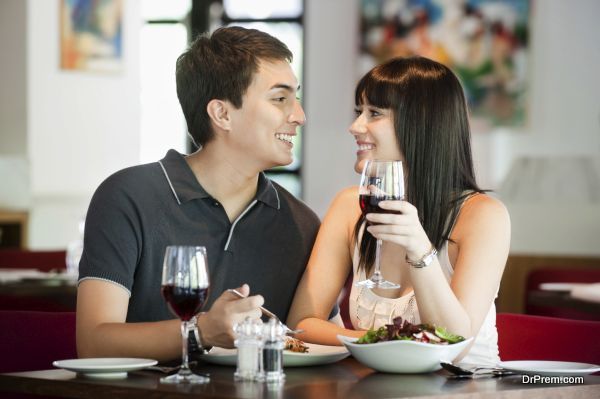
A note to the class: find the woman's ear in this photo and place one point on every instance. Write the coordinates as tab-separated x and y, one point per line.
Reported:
218	111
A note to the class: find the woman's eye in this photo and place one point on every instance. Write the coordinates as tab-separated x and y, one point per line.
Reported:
374	112
357	112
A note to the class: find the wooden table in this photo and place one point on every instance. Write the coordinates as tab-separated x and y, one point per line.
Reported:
345	379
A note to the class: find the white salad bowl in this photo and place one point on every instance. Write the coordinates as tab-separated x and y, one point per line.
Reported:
403	356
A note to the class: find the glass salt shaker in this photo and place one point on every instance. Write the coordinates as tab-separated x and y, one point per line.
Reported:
274	342
249	346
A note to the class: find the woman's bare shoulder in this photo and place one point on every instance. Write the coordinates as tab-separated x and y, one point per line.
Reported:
482	204
347	194
482	211
344	209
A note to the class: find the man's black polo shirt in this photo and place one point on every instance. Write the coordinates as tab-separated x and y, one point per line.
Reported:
137	212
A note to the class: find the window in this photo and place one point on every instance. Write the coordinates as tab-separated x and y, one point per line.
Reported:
164	37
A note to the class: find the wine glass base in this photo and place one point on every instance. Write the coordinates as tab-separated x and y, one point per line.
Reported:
382	284
185	378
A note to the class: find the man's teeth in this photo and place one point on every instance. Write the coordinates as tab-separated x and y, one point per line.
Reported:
365	147
284	137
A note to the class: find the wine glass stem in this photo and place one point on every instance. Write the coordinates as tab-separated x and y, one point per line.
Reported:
184	346
376	277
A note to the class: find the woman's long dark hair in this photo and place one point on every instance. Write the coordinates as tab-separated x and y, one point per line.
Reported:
432	130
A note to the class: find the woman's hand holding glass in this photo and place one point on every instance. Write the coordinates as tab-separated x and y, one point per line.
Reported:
401	227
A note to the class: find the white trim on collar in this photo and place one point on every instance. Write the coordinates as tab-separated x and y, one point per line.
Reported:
169	181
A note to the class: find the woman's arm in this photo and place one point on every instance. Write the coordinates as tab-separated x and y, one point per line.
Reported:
482	237
329	265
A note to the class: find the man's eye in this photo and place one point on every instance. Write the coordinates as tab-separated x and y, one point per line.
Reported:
279	99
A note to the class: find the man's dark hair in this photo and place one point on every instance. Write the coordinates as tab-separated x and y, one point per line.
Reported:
221	66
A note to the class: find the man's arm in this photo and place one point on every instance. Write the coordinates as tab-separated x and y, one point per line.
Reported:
103	332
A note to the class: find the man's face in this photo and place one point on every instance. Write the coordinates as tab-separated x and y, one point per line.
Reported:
270	113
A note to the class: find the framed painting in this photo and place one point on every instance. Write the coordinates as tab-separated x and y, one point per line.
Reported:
485	42
91	35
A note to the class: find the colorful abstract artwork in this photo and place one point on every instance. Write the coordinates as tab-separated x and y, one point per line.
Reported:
91	35
485	42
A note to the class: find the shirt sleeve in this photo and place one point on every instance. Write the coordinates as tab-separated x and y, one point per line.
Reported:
112	238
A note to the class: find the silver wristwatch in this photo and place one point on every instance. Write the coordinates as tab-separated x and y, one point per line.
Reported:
194	341
425	260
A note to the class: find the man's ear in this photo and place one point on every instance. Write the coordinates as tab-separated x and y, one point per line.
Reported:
218	111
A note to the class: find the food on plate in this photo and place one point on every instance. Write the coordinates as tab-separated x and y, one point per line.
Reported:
402	330
295	345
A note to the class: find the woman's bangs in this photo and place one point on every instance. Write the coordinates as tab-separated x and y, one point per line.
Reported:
375	92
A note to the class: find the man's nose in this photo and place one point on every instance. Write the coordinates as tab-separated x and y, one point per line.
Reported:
297	116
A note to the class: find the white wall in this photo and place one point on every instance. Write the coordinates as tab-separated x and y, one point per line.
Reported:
82	126
331	42
564	117
564	105
13	79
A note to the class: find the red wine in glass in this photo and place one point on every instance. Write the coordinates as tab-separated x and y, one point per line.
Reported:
370	203
185	302
381	180
185	287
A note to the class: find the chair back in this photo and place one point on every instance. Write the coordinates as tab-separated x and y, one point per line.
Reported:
527	337
33	340
41	260
560	275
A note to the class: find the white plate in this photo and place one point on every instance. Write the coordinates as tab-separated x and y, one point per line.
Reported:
317	354
551	368
105	367
559	286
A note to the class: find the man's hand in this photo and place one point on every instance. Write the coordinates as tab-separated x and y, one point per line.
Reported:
216	325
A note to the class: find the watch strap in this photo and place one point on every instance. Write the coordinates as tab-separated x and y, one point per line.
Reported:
425	259
194	340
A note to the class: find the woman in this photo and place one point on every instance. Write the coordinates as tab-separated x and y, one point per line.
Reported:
414	110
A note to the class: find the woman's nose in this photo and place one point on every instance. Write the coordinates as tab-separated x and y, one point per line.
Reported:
358	126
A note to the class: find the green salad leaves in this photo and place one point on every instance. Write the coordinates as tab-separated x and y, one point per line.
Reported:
403	330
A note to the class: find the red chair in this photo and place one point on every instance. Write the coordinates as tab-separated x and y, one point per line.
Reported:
33	340
41	260
526	337
560	275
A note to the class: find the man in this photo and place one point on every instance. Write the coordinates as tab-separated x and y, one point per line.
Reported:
238	94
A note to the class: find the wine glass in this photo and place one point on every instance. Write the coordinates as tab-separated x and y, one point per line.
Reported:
185	289
379	181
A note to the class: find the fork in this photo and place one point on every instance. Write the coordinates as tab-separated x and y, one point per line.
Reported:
269	314
460	372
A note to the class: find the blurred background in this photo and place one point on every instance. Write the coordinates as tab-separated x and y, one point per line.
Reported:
88	88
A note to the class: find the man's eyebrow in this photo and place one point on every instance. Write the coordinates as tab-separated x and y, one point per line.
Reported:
285	87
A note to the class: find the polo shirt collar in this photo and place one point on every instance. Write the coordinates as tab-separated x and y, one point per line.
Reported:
266	192
182	180
186	187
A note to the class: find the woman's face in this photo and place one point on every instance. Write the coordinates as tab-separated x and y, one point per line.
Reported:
373	130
